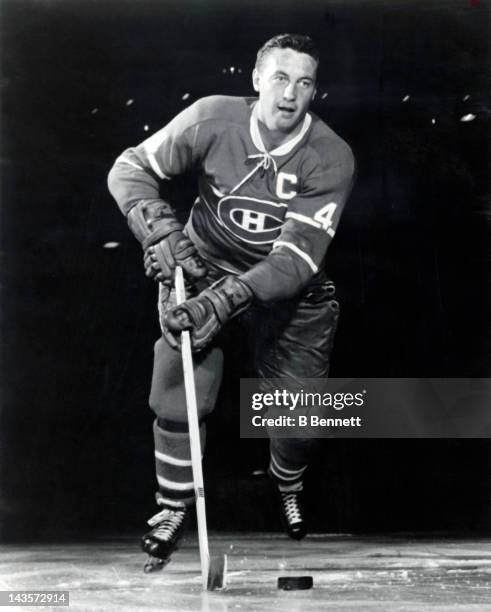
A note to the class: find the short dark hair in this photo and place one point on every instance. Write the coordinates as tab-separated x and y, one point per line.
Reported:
297	42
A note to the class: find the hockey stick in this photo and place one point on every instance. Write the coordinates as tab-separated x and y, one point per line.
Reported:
213	571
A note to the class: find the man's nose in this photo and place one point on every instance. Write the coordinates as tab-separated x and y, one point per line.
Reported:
290	92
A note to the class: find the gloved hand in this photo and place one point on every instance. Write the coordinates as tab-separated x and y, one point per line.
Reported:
167	301
205	314
160	259
154	224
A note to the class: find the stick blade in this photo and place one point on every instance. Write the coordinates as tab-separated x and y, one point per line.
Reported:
217	573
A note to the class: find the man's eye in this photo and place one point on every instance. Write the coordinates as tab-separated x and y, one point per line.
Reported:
280	77
305	84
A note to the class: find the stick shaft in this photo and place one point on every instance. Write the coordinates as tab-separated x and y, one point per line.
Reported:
194	437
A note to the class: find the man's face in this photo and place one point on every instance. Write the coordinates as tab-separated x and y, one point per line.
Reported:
285	82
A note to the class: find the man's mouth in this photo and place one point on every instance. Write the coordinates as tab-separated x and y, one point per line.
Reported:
289	110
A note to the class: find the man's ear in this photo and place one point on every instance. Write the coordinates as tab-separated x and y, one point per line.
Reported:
255	79
315	93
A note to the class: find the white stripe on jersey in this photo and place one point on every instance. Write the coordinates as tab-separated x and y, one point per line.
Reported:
237	197
309	221
210	208
216	191
121	159
302	218
156	167
297	251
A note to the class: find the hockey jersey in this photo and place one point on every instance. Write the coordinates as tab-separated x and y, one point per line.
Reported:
267	215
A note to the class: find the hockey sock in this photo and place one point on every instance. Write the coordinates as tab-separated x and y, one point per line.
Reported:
294	488
173	462
287	476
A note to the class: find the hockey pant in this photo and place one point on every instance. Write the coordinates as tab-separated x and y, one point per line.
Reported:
291	339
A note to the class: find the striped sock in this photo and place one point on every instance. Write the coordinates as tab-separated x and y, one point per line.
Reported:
173	462
287	478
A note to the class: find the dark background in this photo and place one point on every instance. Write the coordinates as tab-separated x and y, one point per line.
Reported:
411	259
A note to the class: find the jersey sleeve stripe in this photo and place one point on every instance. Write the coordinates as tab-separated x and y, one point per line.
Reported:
302	219
308	221
123	160
156	167
298	252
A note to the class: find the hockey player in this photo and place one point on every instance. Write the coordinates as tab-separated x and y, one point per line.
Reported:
273	181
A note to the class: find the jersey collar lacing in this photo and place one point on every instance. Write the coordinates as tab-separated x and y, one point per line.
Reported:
265	158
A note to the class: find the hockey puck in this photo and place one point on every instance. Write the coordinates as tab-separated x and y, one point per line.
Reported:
295	583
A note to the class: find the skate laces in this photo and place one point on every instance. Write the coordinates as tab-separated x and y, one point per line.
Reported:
166	523
291	507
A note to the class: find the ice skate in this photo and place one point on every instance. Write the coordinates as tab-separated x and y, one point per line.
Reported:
168	526
292	514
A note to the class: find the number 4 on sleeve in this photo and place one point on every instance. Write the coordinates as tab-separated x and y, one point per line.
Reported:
324	217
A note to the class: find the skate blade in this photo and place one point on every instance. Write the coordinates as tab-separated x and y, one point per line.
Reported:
154	564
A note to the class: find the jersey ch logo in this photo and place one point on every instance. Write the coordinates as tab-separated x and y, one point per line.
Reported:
252	220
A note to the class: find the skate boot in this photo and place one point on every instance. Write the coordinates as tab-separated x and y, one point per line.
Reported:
168	526
292	514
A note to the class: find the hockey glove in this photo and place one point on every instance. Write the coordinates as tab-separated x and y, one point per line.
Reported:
207	313
167	301
160	259
154	224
